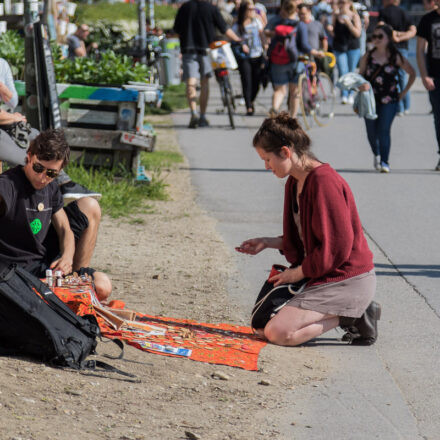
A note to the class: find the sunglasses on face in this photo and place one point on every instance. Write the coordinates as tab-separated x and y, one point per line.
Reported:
377	37
38	168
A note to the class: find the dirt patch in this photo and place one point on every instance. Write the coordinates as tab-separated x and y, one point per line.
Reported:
173	263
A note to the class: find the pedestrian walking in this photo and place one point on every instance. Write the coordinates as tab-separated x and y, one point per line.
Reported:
403	31
196	22
380	67
347	29
288	38
322	240
250	29
428	60
316	36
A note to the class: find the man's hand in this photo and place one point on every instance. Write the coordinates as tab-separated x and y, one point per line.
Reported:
64	264
396	36
428	82
288	276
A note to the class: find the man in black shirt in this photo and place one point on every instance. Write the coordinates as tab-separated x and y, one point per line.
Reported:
403	30
196	23
36	232
428	60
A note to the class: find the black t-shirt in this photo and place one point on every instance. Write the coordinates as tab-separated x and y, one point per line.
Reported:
196	23
27	217
398	19
429	29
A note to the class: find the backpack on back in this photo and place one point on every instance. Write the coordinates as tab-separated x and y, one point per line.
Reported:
283	48
36	323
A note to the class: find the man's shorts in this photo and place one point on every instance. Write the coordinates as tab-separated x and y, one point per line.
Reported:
196	66
281	75
78	223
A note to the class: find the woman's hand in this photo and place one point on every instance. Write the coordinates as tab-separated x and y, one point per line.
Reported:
288	276
245	48
252	246
364	87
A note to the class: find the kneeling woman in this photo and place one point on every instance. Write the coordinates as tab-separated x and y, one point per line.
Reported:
322	240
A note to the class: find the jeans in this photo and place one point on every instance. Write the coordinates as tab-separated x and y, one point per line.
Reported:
379	130
434	98
347	62
250	74
403	80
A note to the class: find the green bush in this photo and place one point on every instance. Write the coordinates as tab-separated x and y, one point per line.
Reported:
12	50
110	68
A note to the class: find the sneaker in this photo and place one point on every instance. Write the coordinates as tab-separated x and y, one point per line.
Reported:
350	100
437	168
399	114
385	168
74	191
194	122
203	122
377	165
406	112
344	100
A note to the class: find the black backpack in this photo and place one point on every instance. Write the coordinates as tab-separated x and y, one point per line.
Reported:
35	322
272	299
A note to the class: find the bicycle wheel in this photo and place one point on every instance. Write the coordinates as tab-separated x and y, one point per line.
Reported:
324	100
228	100
306	100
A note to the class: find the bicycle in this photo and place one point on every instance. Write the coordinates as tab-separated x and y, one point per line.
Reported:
316	93
222	59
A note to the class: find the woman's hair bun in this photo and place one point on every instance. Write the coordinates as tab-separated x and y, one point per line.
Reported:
284	119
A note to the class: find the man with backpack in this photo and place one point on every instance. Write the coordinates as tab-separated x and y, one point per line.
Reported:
288	39
36	232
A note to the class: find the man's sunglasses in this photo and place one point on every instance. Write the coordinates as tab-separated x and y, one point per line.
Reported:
38	168
377	36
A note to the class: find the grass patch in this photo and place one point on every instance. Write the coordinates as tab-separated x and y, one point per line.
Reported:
160	159
121	196
118	11
174	98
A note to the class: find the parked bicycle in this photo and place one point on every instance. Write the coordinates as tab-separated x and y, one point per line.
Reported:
317	94
222	59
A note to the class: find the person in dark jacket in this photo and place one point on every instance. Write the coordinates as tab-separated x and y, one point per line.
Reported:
322	240
196	23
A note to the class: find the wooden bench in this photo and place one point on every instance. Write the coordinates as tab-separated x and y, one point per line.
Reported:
104	125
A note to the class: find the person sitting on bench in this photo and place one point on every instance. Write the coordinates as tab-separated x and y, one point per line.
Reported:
15	154
36	232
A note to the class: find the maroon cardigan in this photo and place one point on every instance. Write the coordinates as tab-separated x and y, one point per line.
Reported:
336	248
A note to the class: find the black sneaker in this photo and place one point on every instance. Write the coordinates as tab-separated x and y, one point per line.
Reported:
203	122
194	122
74	191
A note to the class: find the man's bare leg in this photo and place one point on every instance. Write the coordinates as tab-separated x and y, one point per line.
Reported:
86	244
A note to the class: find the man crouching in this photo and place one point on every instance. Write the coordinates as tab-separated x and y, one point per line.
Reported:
36	232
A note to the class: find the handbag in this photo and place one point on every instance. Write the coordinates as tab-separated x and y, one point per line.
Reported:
272	299
19	132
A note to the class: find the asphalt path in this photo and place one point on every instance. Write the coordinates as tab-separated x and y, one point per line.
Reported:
392	389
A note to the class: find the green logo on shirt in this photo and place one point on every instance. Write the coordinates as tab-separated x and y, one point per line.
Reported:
36	226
